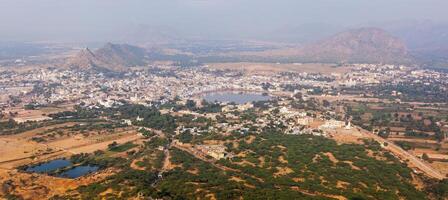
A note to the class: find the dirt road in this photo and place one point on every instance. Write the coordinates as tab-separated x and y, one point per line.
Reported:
404	155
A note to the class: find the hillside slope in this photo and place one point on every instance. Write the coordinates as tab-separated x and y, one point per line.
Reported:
365	45
112	57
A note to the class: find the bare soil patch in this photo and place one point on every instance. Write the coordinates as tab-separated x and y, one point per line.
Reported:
331	157
342	184
37	186
282	159
267	68
442	167
250	139
135	166
281	171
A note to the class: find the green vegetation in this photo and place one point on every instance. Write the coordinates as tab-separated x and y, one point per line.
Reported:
404	145
308	159
152	118
438	189
266	163
141	182
122	148
99	159
210	180
314	165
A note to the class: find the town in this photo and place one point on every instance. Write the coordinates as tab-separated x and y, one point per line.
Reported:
60	113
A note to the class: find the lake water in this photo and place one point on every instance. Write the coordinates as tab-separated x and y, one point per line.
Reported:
54	165
79	171
239	98
50	166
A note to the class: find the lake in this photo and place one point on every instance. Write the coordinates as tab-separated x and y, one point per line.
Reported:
239	98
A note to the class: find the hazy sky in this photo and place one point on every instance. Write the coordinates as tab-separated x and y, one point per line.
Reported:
74	20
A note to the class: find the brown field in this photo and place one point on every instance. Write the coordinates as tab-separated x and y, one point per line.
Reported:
21	150
420	141
103	145
355	135
41	111
275	68
16	152
432	154
441	166
349	98
43	186
342	136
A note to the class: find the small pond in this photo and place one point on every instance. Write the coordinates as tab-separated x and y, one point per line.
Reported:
79	171
49	166
62	168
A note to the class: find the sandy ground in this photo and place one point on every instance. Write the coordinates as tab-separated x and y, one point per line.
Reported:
21	150
263	68
16	149
135	166
348	98
22	113
441	166
29	134
90	148
342	135
433	154
282	171
76	145
36	186
413	140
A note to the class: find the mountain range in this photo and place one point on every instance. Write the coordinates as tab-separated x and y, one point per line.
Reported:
363	45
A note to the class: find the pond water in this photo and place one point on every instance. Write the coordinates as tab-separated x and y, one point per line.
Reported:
49	166
79	171
239	98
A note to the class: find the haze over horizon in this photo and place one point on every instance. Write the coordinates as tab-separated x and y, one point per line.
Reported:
113	20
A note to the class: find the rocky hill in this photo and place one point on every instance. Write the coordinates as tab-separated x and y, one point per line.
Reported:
365	45
111	57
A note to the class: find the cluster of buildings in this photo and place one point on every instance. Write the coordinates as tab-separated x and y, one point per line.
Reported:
215	151
47	86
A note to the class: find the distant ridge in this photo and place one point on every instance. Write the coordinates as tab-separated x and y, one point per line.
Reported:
364	45
111	57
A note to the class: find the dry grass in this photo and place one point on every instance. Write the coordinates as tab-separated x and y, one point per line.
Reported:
298	180
282	171
21	150
36	186
440	166
342	136
282	159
